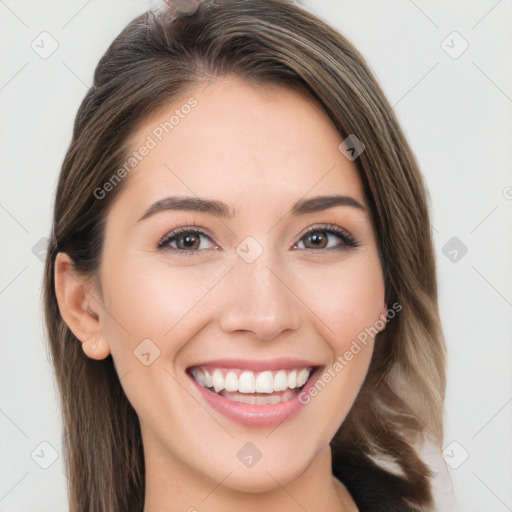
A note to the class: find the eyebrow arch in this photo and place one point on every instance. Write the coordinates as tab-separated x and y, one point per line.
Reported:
316	204
221	209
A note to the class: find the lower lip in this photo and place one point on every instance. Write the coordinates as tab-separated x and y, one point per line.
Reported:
264	415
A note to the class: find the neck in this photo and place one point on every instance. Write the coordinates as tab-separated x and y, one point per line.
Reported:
175	487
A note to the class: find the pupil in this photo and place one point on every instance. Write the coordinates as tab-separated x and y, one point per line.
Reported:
318	237
188	241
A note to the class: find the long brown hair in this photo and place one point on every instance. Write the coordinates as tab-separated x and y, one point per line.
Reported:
156	58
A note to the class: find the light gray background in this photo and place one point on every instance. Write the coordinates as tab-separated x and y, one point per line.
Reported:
456	113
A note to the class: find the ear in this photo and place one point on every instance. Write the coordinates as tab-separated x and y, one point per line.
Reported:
78	307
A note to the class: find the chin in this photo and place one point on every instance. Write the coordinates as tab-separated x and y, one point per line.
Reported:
266	478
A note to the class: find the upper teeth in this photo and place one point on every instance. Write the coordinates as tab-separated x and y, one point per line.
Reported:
245	381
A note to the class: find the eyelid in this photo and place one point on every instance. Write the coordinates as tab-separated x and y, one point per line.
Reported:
191	228
346	237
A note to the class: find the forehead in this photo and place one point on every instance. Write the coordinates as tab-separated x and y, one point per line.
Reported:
248	141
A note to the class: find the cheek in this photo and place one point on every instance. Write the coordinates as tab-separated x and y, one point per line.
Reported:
148	300
348	298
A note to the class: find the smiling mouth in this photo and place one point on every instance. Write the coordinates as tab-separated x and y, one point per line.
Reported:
254	388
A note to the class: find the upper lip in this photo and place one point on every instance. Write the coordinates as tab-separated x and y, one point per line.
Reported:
281	363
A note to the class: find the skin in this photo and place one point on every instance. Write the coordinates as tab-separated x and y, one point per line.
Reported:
259	149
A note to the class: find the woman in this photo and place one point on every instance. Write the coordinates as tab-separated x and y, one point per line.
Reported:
240	290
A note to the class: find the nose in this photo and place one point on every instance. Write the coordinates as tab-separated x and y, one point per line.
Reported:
259	299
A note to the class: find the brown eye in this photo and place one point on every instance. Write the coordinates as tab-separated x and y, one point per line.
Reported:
318	239
325	238
186	241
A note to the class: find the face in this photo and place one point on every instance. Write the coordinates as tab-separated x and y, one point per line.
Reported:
223	271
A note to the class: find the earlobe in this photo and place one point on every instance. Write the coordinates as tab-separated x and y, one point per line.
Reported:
95	348
78	308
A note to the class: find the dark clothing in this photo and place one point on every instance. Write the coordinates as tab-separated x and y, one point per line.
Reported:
372	489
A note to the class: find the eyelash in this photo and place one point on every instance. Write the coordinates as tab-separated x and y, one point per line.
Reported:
347	239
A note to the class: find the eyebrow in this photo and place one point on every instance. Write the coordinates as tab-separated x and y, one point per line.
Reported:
220	209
